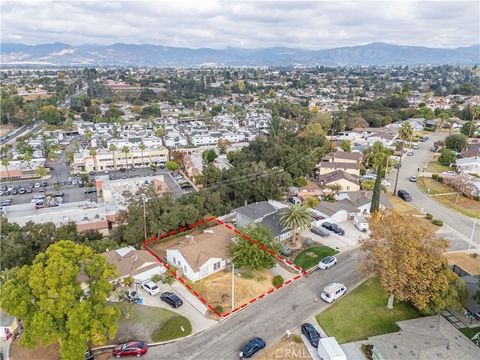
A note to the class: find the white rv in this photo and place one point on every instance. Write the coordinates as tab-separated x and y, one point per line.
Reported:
332	292
360	223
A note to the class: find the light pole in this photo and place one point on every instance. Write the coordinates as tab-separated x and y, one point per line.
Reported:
144	218
233	286
471	236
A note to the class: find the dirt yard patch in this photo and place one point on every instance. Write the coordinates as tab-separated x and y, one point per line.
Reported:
5	129
286	348
465	261
217	288
18	352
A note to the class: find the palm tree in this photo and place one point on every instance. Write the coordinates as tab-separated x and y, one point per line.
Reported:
93	152
27	156
406	132
113	148
142	147
296	217
126	150
41	171
5	163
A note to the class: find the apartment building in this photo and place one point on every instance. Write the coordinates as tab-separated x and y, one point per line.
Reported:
348	162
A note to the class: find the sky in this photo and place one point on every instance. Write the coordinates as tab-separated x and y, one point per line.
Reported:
250	24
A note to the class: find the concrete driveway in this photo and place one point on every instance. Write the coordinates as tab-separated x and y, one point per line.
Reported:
197	319
337	242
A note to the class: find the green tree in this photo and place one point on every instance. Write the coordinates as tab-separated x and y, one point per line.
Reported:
160	132
54	308
69	155
456	142
223	145
172	165
5	163
345	145
406	132
142	148
298	218
247	255
126	151
216	109
426	113
446	157
42	172
50	115
209	156
113	148
377	188
469	128
93	153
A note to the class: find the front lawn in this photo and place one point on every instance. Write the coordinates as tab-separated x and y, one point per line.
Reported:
149	323
435	167
470	332
311	256
364	313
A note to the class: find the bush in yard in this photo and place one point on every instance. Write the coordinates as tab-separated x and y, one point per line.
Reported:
437	222
435	176
172	329
297	339
169	279
218	309
456	142
156	278
278	280
440	179
446	157
429	216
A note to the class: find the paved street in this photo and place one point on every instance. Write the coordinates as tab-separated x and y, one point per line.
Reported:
269	318
458	227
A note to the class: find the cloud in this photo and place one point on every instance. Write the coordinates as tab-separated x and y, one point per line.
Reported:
219	24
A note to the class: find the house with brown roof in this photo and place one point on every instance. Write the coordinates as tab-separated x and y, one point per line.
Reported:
346	181
138	264
348	162
198	256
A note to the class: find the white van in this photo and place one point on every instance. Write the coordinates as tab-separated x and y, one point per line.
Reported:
332	292
360	223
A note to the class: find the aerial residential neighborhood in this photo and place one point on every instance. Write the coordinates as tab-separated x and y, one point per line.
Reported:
233	180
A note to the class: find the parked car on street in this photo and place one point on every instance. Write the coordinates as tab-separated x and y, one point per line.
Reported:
150	287
333	291
385	183
90	191
405	196
413	178
311	334
334	227
416	146
251	347
327	262
171	299
320	231
132	348
410	153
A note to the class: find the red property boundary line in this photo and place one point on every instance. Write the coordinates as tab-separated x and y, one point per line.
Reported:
145	245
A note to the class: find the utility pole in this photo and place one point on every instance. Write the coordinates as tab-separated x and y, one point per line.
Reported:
144	219
471	236
233	286
399	165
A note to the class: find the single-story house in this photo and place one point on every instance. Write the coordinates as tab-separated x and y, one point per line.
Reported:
138	264
468	165
431	337
346	181
198	256
264	213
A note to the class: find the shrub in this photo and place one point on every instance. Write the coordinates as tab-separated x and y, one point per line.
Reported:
435	176
247	275
169	279
440	179
278	280
156	278
172	329
297	339
218	309
446	157
429	216
437	222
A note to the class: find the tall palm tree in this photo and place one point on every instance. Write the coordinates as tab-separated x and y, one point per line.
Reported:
27	156
126	150
142	147
296	217
113	148
5	163
41	171
93	152
406	132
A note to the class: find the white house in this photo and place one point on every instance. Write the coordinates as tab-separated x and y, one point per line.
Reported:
198	256
469	165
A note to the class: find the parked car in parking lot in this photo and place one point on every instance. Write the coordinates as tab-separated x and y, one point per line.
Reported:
327	262
21	190
251	347
333	227
320	231
402	194
150	287
28	189
90	191
14	191
311	334
171	299
6	202
132	348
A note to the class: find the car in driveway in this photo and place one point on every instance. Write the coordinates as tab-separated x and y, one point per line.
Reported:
320	231
413	178
385	183
334	227
251	347
171	299
132	348
405	196
150	287
327	262
311	334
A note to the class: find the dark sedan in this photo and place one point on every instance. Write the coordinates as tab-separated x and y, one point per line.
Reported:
405	196
171	299
132	348
311	334
319	231
334	227
251	348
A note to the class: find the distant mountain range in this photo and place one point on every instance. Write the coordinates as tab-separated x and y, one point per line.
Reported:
157	55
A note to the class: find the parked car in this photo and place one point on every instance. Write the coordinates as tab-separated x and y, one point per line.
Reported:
251	347
171	299
294	200
6	202
369	177
327	262
37	185
385	183
413	178
28	189
334	227
90	191
59	195
311	334
333	291
410	153
80	183
320	231
21	190
416	146
14	191
92	173
132	348
150	287
402	194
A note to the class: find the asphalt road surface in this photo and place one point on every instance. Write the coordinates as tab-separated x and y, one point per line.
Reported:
457	227
268	318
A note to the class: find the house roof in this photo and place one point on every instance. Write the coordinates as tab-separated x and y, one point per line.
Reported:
131	262
350	202
256	211
472	283
338	165
343	155
431	337
272	222
198	249
338	175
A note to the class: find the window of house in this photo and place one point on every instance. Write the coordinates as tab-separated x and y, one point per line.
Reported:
216	266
